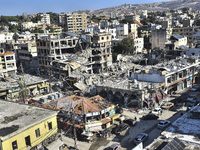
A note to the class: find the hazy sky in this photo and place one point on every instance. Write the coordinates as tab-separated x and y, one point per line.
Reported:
17	7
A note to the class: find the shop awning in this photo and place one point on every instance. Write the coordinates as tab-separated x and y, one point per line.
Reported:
95	128
55	145
115	116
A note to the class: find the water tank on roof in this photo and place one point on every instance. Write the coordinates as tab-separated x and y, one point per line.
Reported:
56	96
60	95
51	97
135	81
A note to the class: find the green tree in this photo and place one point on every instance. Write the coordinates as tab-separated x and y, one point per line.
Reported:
15	36
50	29
126	21
53	17
126	46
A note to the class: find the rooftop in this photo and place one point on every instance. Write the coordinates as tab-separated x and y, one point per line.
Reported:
16	117
81	105
12	82
186	128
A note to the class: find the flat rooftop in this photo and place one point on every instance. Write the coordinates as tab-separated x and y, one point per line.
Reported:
12	81
15	117
187	127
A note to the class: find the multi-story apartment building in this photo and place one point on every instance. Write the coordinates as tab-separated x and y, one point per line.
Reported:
61	19
139	44
100	55
76	22
27	54
187	31
159	37
7	63
122	31
45	18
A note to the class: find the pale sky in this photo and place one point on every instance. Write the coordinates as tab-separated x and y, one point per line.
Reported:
17	7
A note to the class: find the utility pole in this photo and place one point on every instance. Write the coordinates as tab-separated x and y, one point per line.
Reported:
22	85
49	75
74	130
192	77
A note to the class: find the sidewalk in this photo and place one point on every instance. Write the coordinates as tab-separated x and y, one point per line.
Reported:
80	145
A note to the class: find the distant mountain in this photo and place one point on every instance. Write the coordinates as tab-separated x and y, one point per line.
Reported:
158	6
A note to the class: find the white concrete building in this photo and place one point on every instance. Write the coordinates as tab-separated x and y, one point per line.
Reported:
45	19
139	44
176	41
7	63
122	30
28	25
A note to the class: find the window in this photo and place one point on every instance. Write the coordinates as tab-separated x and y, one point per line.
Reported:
50	125
37	132
14	145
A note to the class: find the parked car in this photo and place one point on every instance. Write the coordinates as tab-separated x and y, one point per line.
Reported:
118	109
115	146
167	105
119	129
194	89
130	122
163	124
103	133
156	111
141	138
150	116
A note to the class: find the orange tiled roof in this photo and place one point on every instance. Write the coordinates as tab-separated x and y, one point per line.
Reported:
137	22
6	53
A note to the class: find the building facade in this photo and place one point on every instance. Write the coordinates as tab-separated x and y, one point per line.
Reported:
38	128
76	22
7	63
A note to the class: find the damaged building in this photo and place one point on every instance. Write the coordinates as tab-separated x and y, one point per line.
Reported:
174	75
51	48
7	63
10	89
91	114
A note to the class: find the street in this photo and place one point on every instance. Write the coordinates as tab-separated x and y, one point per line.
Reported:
142	126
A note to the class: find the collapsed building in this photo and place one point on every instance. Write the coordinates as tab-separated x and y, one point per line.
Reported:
12	88
174	75
62	55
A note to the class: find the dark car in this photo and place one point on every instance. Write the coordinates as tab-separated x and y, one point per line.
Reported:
116	146
118	110
130	122
150	116
141	138
120	128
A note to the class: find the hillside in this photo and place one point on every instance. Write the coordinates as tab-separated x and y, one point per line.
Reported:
158	6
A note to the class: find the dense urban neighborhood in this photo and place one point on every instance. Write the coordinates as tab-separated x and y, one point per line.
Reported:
124	77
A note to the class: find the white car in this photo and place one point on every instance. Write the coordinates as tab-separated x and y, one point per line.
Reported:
156	111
